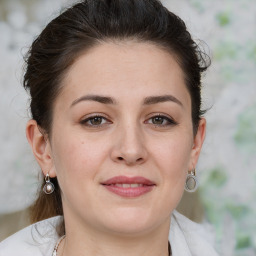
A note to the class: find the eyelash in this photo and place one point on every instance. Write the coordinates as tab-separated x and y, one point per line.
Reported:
89	119
169	121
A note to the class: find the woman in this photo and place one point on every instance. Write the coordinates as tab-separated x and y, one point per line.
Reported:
117	130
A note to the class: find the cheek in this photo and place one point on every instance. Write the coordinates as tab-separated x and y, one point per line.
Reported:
173	154
77	163
172	161
77	159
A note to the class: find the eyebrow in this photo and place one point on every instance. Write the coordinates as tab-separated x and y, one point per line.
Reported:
162	98
108	100
97	98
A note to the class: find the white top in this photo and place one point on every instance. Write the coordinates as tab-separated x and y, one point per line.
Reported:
186	237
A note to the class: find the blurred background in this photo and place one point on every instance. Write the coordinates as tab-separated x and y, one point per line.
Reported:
227	167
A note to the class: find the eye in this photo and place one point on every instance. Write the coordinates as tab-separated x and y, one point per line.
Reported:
161	120
94	121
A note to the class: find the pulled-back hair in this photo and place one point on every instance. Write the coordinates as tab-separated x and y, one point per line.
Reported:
90	23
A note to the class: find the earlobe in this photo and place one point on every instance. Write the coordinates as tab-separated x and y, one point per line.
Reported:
41	147
198	142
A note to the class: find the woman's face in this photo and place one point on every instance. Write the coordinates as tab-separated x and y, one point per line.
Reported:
122	138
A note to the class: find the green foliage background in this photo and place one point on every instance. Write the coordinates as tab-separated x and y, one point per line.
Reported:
227	167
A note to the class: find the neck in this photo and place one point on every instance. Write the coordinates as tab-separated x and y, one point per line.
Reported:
84	242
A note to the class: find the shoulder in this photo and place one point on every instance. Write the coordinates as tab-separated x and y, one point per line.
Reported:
191	236
37	239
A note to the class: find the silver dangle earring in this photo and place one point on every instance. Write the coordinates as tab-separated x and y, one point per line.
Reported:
48	187
191	183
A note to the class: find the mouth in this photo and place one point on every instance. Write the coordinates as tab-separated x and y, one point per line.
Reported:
129	186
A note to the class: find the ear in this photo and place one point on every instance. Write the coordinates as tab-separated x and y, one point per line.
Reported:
41	148
198	143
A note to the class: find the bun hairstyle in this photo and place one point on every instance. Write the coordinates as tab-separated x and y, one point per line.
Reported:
91	23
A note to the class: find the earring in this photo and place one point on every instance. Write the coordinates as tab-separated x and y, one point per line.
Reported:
48	187
191	183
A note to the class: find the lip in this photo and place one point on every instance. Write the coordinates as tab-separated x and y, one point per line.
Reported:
113	185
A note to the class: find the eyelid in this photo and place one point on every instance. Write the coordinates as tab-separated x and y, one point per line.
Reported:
170	119
86	118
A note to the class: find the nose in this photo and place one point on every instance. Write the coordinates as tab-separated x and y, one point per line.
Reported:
129	146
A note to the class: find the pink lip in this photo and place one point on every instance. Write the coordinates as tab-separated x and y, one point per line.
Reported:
145	186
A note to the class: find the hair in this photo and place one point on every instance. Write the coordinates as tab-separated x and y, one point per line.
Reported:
91	23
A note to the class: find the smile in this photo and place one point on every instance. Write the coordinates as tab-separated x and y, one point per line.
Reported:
129	186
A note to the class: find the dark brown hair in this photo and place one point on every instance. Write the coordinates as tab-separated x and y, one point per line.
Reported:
85	25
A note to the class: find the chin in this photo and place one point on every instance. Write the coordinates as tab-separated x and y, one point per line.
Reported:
132	221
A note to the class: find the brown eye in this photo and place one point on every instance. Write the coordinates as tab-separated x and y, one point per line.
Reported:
158	120
97	120
94	121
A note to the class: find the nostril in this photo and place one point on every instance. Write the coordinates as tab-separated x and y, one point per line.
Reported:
120	158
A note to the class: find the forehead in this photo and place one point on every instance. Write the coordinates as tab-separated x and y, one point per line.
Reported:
125	67
128	56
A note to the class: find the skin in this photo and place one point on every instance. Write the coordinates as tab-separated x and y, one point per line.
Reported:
129	140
